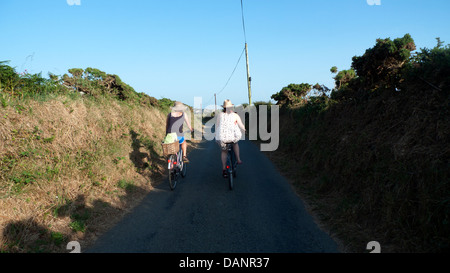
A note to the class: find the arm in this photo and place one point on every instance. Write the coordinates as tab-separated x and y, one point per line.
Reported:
186	118
239	123
217	117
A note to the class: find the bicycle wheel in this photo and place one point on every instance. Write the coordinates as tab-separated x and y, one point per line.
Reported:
173	176
230	180
230	170
183	168
183	165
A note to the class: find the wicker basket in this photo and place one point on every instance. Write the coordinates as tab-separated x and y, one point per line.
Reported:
170	149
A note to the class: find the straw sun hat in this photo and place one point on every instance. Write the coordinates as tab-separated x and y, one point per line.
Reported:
227	103
178	106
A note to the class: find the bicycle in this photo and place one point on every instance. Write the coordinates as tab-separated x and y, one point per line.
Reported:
231	165
175	164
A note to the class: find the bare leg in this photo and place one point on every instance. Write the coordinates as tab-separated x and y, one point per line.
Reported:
236	152
184	148
224	156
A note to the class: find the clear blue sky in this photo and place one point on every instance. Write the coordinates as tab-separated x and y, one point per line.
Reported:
181	49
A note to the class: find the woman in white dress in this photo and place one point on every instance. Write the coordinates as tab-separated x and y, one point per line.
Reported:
228	130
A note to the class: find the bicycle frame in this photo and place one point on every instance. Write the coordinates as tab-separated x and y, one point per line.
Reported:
231	164
176	166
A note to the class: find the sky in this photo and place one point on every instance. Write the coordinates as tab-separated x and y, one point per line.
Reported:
182	49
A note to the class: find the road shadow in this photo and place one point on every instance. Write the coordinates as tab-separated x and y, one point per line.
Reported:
87	221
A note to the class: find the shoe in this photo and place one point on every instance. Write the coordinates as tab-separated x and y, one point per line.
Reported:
185	159
225	174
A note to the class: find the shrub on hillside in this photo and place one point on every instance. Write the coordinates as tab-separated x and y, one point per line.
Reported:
381	65
431	67
378	146
293	94
24	84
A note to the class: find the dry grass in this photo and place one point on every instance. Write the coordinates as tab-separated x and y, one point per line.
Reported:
69	168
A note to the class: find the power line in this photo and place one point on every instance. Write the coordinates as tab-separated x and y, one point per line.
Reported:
232	73
240	57
249	79
243	21
229	78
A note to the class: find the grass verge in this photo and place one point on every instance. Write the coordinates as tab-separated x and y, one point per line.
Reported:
71	166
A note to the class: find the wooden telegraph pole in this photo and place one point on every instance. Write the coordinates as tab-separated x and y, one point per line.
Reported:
249	79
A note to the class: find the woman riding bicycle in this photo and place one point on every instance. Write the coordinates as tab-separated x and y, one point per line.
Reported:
174	124
228	130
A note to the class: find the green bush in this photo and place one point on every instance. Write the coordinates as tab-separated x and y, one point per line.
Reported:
165	104
293	94
90	81
24	84
381	66
9	79
431	66
375	150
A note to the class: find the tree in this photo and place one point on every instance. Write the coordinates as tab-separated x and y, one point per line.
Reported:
381	65
9	79
53	77
95	74
322	89
344	77
96	82
432	66
292	94
76	72
334	70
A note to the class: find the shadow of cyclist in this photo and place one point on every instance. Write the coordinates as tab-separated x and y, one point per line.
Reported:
150	161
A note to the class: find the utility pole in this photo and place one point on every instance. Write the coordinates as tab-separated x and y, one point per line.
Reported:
215	103
249	79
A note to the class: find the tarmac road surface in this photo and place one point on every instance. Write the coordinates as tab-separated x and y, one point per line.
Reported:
262	214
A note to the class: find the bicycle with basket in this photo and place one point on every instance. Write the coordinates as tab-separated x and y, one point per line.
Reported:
175	164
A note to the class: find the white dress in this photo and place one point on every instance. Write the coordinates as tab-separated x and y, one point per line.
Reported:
228	130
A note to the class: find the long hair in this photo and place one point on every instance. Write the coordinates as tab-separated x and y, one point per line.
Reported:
225	110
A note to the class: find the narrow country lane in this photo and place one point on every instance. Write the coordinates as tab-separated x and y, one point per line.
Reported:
261	214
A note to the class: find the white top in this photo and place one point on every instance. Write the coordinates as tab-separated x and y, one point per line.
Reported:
228	129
